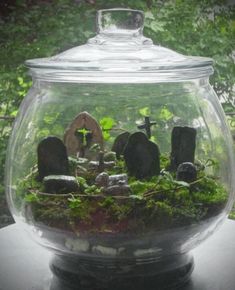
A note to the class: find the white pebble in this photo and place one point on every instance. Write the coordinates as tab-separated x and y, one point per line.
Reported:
77	245
108	251
120	250
143	252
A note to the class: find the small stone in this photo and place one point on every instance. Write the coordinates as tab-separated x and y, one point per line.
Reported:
121	250
120	144
107	251
142	156
110	156
146	252
60	184
102	180
118	179
118	190
186	172
52	157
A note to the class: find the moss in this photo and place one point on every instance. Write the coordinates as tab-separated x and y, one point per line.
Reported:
156	203
140	187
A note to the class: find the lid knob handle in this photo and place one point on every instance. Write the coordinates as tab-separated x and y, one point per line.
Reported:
120	21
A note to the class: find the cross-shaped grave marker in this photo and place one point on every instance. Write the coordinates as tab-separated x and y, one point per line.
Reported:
147	126
85	136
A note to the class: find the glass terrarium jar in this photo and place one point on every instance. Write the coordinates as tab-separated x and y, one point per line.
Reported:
120	160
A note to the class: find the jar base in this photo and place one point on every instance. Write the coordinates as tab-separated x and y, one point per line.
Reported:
80	273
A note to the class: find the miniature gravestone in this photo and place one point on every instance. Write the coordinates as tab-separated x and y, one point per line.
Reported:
120	144
100	165
147	126
110	156
52	157
183	143
81	134
186	172
118	185
118	179
60	184
102	180
141	156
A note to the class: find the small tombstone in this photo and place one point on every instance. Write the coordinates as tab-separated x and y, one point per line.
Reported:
60	184
186	172
120	144
102	179
110	156
97	166
52	157
183	144
118	179
81	134
100	165
118	185
142	156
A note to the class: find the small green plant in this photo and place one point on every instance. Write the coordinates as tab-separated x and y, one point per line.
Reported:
107	124
84	133
74	202
32	197
145	112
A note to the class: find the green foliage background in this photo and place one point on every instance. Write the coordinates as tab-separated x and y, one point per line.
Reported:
42	28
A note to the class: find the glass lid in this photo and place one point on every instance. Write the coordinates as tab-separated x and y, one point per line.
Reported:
120	52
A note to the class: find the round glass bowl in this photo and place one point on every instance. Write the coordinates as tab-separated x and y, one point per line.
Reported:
120	157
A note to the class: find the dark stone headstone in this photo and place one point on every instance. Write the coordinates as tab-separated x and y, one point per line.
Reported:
52	157
183	144
186	172
141	156
120	144
60	184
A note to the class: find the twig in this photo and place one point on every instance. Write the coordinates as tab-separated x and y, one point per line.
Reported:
152	191
78	195
101	196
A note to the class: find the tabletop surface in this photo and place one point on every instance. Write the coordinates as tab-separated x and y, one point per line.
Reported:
24	265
